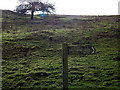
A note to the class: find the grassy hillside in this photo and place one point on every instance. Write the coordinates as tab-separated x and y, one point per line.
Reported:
32	51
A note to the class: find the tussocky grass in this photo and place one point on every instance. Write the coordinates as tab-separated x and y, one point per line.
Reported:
32	52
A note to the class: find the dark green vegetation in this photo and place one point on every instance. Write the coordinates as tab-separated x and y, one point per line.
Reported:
32	51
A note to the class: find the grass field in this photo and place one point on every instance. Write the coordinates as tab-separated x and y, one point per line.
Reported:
32	51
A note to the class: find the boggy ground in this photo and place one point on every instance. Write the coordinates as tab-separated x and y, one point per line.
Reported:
32	51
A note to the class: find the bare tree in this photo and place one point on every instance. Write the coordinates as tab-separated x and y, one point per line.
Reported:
33	6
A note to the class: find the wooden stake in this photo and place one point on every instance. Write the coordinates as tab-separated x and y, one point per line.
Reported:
65	66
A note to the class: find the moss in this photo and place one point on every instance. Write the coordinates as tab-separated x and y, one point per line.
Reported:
32	51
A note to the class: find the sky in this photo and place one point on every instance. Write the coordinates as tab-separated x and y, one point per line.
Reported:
75	7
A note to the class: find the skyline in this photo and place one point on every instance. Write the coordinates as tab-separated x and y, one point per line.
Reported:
75	7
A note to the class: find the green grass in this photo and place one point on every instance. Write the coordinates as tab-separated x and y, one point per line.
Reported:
32	52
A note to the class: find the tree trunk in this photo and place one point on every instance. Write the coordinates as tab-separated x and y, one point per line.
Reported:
32	14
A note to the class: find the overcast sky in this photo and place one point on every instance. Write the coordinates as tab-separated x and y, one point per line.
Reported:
75	7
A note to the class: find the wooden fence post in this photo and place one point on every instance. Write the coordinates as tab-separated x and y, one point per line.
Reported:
65	66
